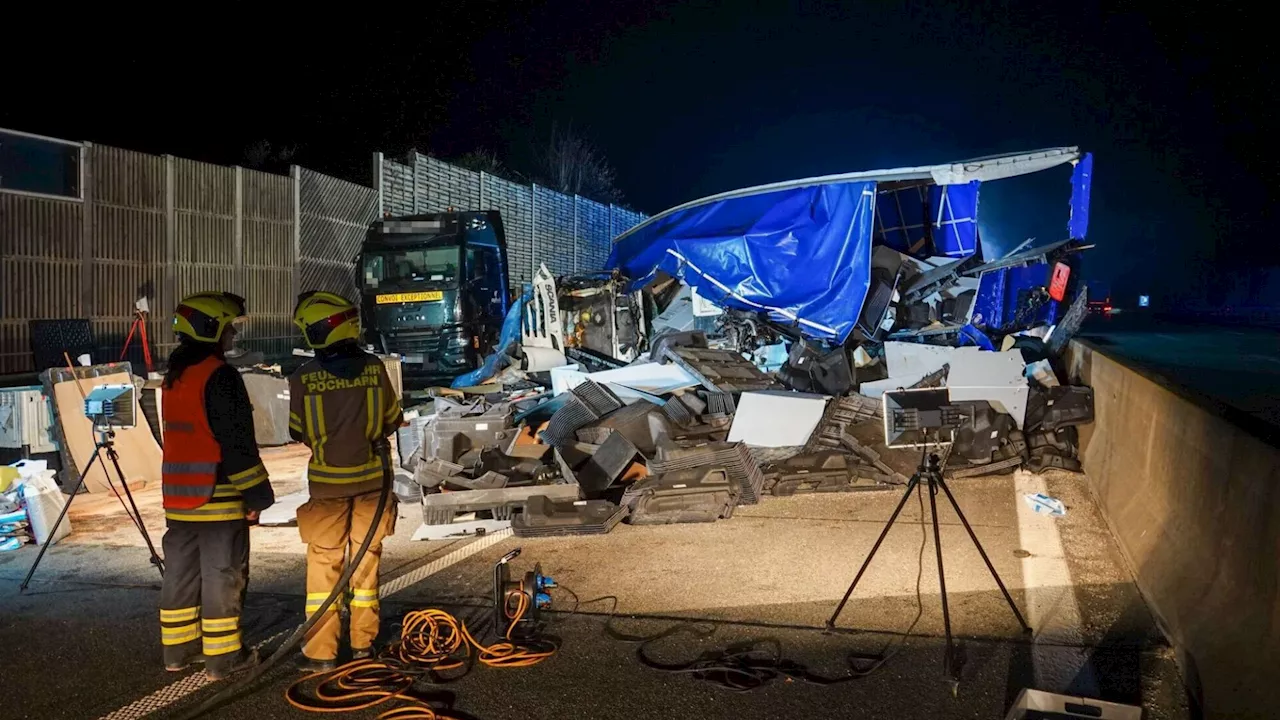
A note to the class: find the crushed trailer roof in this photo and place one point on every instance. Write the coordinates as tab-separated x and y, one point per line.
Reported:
992	167
801	251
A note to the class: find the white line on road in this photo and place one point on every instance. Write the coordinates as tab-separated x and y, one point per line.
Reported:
1051	605
180	689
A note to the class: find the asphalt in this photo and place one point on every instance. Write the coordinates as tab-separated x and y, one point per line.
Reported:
1238	366
82	642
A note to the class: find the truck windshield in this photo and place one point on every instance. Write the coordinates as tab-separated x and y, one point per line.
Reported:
434	265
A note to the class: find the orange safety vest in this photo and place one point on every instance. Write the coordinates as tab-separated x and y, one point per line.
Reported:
191	453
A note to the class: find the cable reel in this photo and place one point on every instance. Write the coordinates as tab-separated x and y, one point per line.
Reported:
516	603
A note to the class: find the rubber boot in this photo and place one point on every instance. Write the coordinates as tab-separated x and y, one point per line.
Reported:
362	653
243	660
311	665
186	663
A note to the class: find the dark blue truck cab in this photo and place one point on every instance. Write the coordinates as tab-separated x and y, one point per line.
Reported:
434	290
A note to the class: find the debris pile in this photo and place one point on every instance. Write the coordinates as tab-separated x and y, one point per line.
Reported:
691	438
748	345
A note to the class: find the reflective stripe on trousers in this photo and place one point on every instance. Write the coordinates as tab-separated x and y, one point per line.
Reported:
206	571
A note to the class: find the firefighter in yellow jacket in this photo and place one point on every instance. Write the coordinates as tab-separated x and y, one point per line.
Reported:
213	483
340	403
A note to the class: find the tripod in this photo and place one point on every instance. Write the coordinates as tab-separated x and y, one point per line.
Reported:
106	441
929	473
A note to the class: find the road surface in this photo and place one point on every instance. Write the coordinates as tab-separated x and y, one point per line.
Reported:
1238	366
84	641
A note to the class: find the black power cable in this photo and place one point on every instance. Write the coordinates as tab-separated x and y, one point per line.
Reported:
752	664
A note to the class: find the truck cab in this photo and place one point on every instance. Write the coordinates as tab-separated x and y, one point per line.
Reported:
434	289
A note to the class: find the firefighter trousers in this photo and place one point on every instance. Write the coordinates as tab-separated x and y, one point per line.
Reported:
333	529
206	575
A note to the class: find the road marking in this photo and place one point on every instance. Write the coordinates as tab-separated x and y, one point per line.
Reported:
180	689
1051	608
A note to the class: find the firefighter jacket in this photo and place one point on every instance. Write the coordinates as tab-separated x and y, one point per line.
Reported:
211	470
339	404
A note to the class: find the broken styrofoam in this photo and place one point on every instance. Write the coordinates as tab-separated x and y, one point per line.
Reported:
996	377
776	419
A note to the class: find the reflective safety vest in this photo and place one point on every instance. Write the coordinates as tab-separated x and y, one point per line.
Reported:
191	453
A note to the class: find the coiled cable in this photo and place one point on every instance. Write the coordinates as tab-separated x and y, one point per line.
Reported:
431	642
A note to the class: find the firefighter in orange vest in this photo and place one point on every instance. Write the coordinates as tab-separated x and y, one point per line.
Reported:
341	404
214	483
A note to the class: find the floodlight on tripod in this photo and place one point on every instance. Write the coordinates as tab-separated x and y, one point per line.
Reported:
112	407
917	418
924	417
109	408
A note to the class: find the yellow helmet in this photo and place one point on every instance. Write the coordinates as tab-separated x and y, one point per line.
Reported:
326	318
204	317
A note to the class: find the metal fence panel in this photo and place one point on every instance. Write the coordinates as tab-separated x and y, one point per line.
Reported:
39	289
165	227
441	186
554	242
204	188
41	241
593	234
40	227
515	202
397	188
568	233
334	216
267	263
127	179
128	248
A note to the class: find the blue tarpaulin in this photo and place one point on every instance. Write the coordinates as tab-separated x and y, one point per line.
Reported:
509	336
951	215
1081	179
996	303
803	254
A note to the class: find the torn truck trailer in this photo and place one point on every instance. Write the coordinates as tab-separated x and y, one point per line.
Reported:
801	251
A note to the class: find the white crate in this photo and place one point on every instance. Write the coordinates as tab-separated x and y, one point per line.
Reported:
25	420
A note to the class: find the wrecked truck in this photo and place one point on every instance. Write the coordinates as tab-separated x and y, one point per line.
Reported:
831	267
644	394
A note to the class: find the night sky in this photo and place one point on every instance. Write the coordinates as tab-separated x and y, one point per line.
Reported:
689	99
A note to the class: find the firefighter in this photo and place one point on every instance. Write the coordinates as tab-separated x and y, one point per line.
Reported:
214	484
341	404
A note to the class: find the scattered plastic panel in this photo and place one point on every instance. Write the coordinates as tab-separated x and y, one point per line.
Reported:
696	495
720	370
541	517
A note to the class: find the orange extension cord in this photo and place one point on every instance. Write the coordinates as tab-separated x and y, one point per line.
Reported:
431	641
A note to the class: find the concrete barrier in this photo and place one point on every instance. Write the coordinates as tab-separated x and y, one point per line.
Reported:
1194	501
